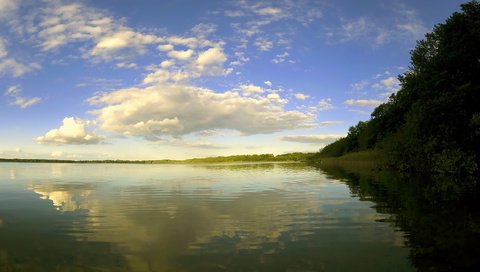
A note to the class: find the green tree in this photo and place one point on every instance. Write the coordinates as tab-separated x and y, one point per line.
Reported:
433	121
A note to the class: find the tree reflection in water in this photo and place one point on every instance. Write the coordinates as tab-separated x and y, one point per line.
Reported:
440	214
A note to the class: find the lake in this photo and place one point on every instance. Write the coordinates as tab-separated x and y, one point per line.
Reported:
249	217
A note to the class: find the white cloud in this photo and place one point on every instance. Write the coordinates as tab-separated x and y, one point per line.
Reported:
329	123
182	55
212	56
23	102
301	96
204	29
402	24
191	64
279	58
363	102
359	86
167	63
18	100
72	131
387	86
313	138
241	59
275	97
10	66
160	75
324	104
211	61
18	150
409	25
165	47
269	11
8	6
268	83
355	28
13	91
190	42
57	24
3	48
178	110
251	90
391	83
127	65
110	44
263	44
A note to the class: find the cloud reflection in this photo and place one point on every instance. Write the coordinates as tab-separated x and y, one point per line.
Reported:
162	216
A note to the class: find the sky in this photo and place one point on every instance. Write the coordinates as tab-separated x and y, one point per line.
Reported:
135	79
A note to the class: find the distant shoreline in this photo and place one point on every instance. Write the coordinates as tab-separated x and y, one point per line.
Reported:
141	162
235	159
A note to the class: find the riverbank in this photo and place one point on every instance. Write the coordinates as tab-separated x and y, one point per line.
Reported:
371	160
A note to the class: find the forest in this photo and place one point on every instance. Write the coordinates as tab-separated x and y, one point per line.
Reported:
432	124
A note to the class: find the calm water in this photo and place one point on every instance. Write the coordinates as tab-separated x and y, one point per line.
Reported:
270	217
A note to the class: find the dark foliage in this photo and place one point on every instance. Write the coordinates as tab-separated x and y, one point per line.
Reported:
438	214
433	122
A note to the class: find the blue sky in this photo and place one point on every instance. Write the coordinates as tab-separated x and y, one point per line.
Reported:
132	79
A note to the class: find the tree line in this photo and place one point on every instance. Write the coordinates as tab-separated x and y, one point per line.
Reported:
288	157
433	122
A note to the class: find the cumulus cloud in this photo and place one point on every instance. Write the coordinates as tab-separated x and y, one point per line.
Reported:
301	96
251	90
188	64
313	138
72	131
363	102
15	93
127	40
211	57
268	83
181	54
167	63
176	110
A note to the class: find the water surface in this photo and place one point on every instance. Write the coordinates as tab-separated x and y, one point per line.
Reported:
260	217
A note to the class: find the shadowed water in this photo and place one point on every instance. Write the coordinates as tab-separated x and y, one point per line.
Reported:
259	217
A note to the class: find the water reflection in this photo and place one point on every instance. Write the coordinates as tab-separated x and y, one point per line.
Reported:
440	214
269	217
